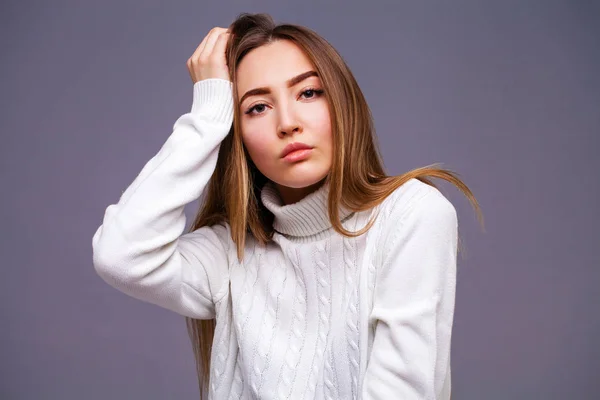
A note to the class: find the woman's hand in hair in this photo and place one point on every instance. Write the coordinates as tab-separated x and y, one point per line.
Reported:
208	61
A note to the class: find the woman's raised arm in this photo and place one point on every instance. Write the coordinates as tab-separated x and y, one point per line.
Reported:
139	248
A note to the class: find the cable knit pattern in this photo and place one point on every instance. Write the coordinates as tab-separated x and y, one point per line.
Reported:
296	334
352	334
238	381
273	321
220	348
309	315
257	362
324	311
246	306
218	361
330	379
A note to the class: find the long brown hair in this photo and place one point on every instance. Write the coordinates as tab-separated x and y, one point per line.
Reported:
234	188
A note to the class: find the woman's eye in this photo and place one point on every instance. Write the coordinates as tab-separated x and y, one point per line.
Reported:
310	93
258	108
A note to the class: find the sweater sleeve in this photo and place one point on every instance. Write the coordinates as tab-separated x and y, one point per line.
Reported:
413	304
140	248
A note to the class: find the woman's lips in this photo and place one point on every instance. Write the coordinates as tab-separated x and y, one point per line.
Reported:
297	155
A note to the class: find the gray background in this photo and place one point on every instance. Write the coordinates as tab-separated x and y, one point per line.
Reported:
506	93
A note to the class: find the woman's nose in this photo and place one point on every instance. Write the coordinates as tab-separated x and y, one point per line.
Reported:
288	120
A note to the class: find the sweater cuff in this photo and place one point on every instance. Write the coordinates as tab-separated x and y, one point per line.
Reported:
213	98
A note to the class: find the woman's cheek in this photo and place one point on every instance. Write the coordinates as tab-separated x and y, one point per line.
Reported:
257	146
320	117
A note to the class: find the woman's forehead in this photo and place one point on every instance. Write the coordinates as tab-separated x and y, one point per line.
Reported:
271	65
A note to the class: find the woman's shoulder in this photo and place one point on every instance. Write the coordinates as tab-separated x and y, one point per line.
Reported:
415	197
219	234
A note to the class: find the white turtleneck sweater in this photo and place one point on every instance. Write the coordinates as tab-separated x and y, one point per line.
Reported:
313	315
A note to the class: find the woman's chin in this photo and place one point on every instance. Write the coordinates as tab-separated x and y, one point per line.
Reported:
300	181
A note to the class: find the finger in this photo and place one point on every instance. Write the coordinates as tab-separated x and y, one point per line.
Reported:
202	44
199	48
210	42
221	46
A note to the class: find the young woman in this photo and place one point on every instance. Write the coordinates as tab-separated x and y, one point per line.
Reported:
308	272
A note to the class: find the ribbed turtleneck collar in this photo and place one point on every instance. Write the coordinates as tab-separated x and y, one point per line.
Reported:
306	217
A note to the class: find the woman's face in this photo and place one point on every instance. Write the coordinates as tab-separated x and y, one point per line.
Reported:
282	102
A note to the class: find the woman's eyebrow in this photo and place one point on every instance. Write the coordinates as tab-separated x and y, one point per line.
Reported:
291	82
